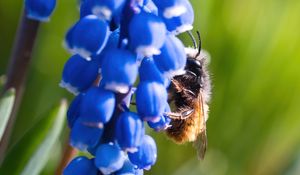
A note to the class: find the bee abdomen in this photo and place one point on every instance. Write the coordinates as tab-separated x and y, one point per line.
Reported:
182	131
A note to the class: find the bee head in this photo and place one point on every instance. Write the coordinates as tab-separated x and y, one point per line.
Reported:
195	58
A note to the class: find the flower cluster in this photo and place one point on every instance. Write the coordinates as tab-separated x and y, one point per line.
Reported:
114	43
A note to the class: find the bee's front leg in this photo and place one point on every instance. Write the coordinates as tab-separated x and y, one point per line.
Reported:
180	116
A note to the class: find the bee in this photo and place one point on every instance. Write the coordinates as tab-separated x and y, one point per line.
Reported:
189	94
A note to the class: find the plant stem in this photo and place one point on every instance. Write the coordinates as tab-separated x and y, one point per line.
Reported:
17	71
69	153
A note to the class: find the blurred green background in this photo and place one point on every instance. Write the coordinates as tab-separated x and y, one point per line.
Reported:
254	124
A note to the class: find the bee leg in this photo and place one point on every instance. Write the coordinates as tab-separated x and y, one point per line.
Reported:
180	88
180	116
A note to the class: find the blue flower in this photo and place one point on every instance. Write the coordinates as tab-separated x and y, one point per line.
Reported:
88	36
84	136
150	7
129	169
129	131
119	70
112	42
163	123
171	8
149	72
85	8
79	74
146	155
104	70
172	59
109	158
151	99
106	8
147	33
73	112
81	165
39	10
97	106
182	23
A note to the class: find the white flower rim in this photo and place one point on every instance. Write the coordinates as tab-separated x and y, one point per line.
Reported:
147	51
182	28
102	11
174	11
83	53
117	87
69	87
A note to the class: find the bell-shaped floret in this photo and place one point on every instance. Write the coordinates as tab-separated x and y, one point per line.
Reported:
84	136
39	10
129	169
151	98
182	23
81	165
129	131
171	8
146	155
73	112
106	8
119	70
85	8
88	36
109	158
147	33
163	123
112	42
172	60
149	72
79	74
150	7
97	106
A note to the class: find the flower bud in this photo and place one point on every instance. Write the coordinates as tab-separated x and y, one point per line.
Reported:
79	74
84	136
172	59
149	72
106	9
129	131
81	165
151	98
129	169
109	158
73	111
171	8
112	42
147	33
97	106
119	70
146	155
163	123
182	23
88	36
39	10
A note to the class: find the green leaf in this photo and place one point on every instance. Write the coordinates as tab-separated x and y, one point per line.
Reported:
20	152
6	105
2	81
41	156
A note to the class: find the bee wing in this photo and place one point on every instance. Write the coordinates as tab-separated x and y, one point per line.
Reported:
201	141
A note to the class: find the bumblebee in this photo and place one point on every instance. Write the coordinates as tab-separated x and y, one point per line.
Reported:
189	95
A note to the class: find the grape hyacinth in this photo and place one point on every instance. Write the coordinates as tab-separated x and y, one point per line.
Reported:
39	10
122	48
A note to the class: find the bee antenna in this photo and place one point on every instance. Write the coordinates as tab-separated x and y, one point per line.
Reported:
200	44
193	38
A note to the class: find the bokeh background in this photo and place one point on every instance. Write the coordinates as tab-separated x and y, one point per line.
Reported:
254	124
